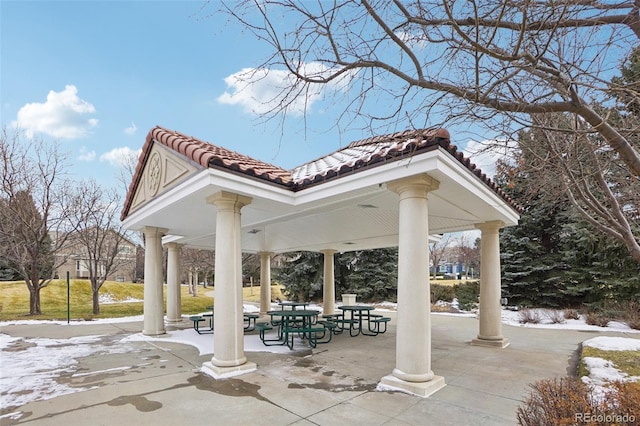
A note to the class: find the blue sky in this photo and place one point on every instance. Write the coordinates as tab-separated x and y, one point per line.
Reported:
96	76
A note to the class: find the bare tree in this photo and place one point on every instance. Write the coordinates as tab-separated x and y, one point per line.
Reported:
504	64
127	169
196	261
99	239
437	251
581	168
37	204
490	59
467	255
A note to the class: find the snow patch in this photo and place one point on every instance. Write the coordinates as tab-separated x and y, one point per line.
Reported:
607	343
31	373
109	299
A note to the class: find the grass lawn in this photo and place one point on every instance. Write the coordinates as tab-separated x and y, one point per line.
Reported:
14	300
626	361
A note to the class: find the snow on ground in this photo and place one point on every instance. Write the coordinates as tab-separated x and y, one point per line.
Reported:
30	366
510	317
107	298
603	371
607	343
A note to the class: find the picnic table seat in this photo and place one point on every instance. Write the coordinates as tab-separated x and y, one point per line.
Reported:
210	317
315	333
262	327
375	325
343	324
197	319
250	320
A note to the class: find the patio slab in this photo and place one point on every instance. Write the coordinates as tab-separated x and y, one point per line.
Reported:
159	383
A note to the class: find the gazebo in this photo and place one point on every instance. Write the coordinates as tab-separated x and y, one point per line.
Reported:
385	191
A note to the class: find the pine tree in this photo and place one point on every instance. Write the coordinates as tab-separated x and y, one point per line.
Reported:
301	275
533	265
372	274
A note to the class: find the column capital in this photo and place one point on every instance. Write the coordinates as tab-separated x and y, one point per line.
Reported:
492	225
328	251
228	200
173	245
418	185
154	231
265	253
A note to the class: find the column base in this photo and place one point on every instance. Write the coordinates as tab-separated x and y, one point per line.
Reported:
491	343
423	389
176	321
224	372
154	333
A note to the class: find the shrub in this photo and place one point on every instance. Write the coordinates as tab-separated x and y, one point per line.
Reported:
631	313
568	401
555	316
529	316
554	402
596	318
467	294
446	293
571	314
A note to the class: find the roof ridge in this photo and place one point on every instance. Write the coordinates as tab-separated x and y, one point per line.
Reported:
428	133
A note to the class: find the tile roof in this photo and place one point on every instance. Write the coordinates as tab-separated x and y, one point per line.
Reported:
356	156
368	152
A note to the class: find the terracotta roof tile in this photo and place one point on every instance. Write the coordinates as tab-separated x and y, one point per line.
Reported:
356	156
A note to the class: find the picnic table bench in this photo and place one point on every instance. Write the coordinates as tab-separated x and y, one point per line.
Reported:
376	323
250	321
197	319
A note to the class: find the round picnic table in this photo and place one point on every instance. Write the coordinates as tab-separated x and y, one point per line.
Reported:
361	311
288	318
293	305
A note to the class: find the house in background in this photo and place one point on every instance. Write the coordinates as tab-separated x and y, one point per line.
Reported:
76	259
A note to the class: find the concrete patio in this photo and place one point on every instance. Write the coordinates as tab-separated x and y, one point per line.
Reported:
159	383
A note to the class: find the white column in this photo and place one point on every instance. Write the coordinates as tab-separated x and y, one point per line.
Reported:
174	296
413	339
329	284
153	300
490	314
228	337
265	281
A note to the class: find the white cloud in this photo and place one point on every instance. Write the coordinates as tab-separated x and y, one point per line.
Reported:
131	130
260	91
63	115
120	157
86	155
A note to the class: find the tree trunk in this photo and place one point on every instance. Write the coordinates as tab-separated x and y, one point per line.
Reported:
34	301
96	301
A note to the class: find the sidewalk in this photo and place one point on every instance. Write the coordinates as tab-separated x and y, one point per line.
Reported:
158	383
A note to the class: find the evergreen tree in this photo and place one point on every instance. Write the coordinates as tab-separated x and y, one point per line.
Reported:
533	265
372	274
553	258
600	268
301	275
